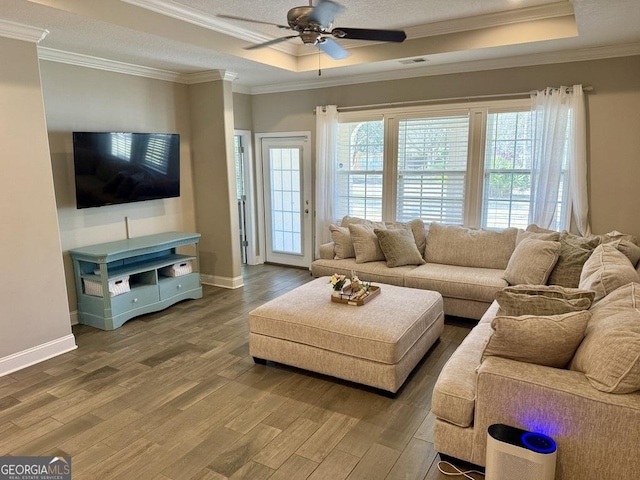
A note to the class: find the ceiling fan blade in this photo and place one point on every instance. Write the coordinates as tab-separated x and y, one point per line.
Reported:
370	34
270	42
324	13
332	48
233	17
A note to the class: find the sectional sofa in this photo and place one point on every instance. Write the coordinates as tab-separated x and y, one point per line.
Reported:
556	359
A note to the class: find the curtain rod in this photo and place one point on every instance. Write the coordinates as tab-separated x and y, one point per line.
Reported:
450	99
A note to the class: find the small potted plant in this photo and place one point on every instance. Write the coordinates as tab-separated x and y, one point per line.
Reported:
337	282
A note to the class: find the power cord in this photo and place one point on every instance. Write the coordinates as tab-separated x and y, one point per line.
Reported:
457	472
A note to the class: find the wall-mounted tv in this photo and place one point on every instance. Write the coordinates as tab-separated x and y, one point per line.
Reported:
112	168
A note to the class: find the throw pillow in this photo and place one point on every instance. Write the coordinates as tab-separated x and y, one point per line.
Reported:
609	355
399	247
606	270
628	248
574	252
542	300
342	240
365	243
417	228
532	262
536	229
522	234
543	340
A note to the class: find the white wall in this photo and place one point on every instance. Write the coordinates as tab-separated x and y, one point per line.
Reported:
34	319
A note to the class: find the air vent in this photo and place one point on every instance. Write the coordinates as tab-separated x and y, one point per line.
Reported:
411	61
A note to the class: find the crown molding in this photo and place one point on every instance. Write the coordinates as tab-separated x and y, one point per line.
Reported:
507	17
81	60
19	31
78	59
191	15
565	56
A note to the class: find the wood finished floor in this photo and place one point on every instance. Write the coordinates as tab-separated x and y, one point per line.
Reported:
175	395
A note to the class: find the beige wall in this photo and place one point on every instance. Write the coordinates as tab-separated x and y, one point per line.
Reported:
212	124
84	99
242	112
32	286
613	129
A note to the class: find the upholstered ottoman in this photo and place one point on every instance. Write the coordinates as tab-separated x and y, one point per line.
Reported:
377	344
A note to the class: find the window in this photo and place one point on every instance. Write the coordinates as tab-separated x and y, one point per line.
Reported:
157	155
460	165
432	166
508	172
359	169
121	146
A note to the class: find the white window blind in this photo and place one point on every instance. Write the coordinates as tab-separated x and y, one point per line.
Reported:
432	166
121	146
359	169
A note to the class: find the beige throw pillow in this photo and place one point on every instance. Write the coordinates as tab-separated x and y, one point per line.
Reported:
532	262
342	240
399	247
606	270
417	228
365	243
609	355
522	234
574	252
542	300
543	340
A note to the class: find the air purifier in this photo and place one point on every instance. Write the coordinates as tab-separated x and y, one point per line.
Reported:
513	453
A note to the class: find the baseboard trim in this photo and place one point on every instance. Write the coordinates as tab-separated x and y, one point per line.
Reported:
224	282
37	354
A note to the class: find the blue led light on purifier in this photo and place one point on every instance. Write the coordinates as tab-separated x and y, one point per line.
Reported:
538	442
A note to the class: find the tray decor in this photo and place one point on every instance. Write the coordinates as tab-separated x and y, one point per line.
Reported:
356	293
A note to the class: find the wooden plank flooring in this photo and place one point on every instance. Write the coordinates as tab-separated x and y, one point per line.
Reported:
175	395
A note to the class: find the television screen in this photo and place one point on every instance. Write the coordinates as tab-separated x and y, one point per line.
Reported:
112	168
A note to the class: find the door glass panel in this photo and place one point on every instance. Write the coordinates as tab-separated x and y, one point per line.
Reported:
284	171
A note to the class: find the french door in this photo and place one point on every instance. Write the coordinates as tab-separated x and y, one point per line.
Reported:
286	164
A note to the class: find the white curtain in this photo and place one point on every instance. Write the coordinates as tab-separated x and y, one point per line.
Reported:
559	133
326	153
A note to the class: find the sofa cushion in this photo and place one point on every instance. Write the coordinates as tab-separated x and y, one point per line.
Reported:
574	252
365	243
467	247
454	395
343	246
376	272
399	247
544	340
467	283
542	300
609	355
606	270
532	262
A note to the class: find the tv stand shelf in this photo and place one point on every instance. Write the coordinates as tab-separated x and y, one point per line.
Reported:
140	259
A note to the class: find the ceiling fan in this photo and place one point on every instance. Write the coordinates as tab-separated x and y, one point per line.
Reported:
314	26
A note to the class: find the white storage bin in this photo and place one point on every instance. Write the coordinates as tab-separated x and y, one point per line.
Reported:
177	269
117	286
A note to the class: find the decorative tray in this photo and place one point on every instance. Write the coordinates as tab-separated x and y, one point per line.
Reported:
345	297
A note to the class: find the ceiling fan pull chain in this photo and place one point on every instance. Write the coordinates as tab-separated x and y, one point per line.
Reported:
319	57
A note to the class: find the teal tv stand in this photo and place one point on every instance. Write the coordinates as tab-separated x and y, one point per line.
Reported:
140	259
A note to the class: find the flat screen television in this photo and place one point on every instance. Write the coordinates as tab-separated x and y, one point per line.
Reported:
112	168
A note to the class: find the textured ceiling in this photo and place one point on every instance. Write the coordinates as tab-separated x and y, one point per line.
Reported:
185	37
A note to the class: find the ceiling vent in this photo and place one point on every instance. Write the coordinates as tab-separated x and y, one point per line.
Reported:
411	61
